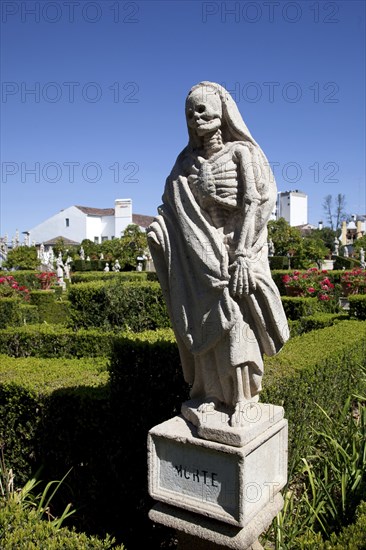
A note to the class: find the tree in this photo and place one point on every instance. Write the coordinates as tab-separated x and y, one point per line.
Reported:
22	257
335	211
286	239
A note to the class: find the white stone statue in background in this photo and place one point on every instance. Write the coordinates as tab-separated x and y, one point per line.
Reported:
362	258
345	251
106	268
82	253
271	248
67	268
336	246
209	246
117	266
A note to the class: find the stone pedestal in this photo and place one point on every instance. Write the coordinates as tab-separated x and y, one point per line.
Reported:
224	494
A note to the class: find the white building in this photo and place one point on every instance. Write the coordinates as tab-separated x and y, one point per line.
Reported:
293	206
77	223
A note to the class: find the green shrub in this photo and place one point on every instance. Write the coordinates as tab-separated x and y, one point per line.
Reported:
127	306
55	341
22	529
24	386
9	312
278	262
71	422
50	310
299	307
122	276
345	263
24	278
317	321
321	366
357	306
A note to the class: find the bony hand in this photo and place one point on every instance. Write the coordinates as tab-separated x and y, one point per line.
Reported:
242	280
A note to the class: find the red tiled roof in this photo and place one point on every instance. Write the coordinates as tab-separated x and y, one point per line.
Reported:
53	241
137	219
96	211
142	220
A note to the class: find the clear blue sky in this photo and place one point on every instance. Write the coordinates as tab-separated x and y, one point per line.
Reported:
106	118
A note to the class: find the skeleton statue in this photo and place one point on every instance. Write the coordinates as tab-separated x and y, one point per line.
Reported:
209	246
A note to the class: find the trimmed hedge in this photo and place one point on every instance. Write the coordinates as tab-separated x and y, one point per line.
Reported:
14	313
298	307
122	276
24	386
320	320
357	306
101	431
55	341
134	306
9	312
24	278
50	310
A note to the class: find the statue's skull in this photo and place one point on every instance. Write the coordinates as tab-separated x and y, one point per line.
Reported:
204	110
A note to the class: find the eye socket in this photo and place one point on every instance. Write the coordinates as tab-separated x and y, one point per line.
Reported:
201	108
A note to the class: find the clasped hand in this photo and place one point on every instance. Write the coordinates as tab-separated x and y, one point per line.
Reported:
241	278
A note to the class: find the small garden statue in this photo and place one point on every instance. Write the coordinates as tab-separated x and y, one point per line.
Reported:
209	246
82	253
271	248
362	258
336	247
106	268
117	266
345	251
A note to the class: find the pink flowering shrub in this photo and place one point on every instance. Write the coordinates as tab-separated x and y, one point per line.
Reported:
354	282
312	283
46	279
9	288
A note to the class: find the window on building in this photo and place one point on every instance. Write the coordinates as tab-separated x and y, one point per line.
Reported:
96	240
67	221
104	239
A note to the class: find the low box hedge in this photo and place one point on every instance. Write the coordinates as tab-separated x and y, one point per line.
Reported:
56	417
357	306
122	276
55	341
134	306
298	307
51	306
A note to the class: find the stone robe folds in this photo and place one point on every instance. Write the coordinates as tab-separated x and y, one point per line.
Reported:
215	332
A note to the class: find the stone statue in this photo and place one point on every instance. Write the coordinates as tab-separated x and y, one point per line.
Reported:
60	272
209	246
82	253
362	258
336	246
117	266
345	251
106	268
271	248
67	268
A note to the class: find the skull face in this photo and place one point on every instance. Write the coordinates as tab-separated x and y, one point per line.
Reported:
203	111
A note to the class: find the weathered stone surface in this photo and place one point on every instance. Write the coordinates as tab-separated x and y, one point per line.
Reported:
227	483
214	423
210	250
203	529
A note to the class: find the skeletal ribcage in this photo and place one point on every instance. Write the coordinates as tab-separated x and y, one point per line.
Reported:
225	199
